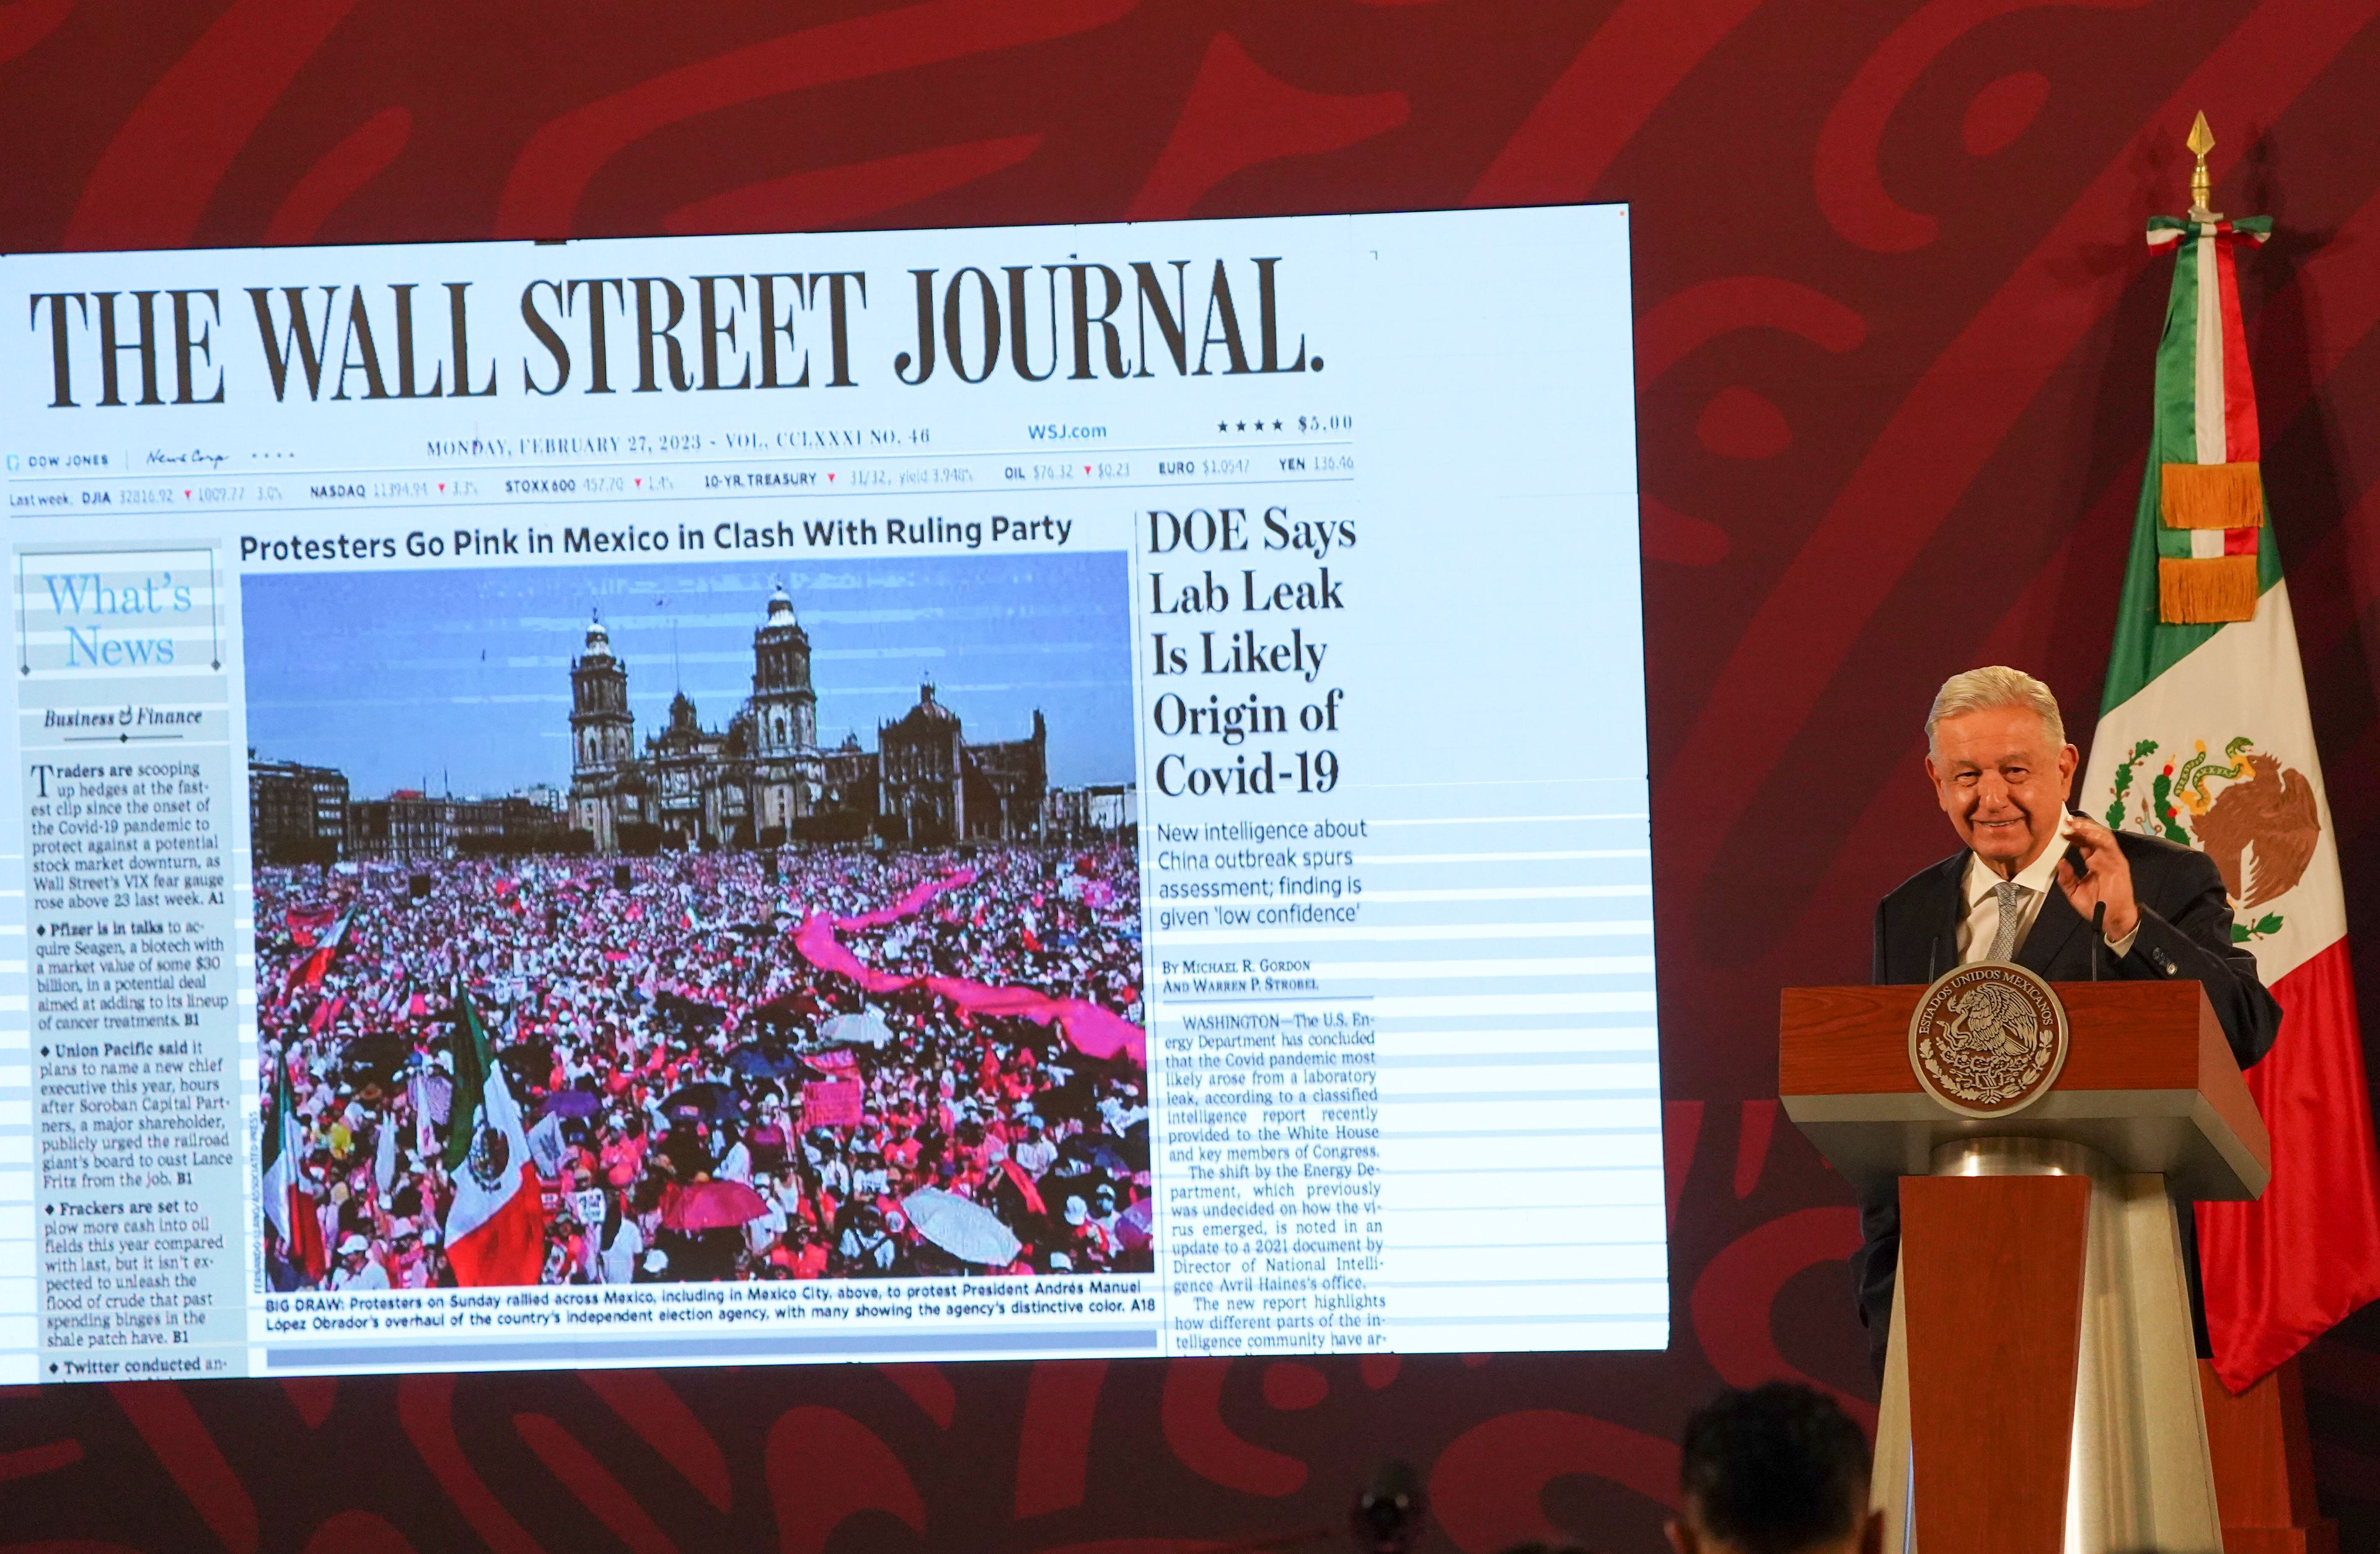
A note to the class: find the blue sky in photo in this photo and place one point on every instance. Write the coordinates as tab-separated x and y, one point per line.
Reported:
460	679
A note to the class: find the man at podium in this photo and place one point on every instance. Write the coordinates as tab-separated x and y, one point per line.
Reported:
2028	881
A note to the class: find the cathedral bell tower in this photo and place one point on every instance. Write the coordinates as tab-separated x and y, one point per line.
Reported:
602	738
602	730
784	708
787	772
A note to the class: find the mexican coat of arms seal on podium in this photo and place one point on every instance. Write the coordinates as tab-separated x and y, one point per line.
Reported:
1988	1039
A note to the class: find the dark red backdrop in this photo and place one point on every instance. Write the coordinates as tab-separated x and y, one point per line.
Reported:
1895	326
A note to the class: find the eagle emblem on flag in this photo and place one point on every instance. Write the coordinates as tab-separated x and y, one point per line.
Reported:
2256	818
490	1159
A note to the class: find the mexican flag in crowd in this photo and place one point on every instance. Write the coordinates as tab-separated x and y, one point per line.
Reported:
495	1227
286	1203
312	969
2204	739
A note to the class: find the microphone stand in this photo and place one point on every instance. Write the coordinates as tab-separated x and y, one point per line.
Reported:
2098	935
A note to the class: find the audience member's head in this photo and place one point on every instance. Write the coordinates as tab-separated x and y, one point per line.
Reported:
1775	1470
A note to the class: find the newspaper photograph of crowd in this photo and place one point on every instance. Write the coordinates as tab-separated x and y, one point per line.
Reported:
911	1047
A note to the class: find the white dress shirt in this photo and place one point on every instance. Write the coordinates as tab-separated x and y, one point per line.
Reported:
1981	925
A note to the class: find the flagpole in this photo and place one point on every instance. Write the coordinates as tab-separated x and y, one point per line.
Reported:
2204	693
2202	186
2258	1442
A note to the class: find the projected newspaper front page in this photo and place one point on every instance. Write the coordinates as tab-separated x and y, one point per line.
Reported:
1039	792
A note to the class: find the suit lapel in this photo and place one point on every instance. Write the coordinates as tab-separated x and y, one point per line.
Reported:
2053	927
1938	911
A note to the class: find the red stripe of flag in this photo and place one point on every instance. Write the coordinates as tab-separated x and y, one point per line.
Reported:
508	1247
2284	1269
2242	444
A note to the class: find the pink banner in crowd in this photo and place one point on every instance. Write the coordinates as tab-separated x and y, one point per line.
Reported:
833	1103
1100	1033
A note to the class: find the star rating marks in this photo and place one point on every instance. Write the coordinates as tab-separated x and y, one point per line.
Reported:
1257	424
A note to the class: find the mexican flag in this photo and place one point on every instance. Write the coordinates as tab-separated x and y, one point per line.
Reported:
312	969
2204	739
287	1204
495	1227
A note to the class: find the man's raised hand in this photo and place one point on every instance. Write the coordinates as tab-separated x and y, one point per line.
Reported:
2108	881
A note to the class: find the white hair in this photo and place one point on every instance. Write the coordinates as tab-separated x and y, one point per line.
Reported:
1978	690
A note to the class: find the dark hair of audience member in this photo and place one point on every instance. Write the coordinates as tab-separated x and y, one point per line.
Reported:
1775	1470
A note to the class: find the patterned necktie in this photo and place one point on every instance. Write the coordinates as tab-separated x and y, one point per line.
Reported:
2004	940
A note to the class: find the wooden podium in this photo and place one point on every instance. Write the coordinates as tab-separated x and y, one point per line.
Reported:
2041	1388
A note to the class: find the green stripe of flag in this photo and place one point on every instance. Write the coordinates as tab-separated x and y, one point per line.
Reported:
472	1058
281	1113
2145	647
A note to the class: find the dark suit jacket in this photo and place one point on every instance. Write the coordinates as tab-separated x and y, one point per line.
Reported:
2185	931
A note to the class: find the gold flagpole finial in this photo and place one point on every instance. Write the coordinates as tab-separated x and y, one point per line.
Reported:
2202	188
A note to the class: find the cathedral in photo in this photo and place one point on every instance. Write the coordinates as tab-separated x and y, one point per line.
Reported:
764	780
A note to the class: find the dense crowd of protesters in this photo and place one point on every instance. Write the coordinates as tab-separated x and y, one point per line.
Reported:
701	1102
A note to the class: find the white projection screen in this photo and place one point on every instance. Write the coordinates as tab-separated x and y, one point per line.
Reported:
990	793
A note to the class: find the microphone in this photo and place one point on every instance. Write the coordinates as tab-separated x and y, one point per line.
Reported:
1391	1514
2098	935
1933	954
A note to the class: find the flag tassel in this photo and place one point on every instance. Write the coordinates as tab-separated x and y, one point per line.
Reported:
2212	496
2206	591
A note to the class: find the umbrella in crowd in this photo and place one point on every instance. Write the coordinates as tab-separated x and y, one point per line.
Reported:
689	1011
867	1027
966	1230
526	1066
787	1014
709	1205
376	1059
1076	1094
572	1103
1095	1151
760	1061
706	1100
1136	1226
